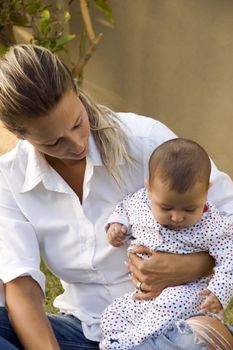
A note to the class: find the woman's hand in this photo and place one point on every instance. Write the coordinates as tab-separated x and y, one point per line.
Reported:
164	270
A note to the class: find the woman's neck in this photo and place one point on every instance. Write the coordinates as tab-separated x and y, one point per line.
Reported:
65	163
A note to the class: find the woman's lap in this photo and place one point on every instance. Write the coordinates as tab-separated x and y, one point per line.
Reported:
69	334
186	335
67	329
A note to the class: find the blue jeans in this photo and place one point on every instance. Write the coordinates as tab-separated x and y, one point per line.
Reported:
177	336
67	329
69	334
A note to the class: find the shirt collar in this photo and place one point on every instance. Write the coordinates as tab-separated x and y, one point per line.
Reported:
38	170
36	167
93	152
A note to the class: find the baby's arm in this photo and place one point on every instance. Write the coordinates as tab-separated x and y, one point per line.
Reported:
220	247
117	226
116	233
210	303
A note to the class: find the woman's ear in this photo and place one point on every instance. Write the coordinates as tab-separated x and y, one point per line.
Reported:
19	135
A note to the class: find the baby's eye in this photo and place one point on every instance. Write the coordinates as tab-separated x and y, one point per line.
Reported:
190	210
166	208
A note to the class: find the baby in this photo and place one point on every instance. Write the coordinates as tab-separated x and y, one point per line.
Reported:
172	215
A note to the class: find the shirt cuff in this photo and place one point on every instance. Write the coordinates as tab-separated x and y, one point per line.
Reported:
37	275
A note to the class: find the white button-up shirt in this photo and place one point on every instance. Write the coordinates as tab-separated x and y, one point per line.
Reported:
41	215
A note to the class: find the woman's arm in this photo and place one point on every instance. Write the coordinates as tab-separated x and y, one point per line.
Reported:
221	190
24	302
163	270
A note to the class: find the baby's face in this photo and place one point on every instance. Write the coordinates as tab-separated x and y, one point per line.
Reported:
174	209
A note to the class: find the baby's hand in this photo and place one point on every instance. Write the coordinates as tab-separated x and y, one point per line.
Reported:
116	234
211	303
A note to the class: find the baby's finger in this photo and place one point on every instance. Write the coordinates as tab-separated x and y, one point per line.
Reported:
205	292
111	230
124	229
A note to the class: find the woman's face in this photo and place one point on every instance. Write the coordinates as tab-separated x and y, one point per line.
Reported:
64	132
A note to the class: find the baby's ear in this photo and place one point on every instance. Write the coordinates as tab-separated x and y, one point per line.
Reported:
210	184
147	184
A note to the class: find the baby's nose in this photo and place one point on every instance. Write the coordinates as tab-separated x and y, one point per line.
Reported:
177	217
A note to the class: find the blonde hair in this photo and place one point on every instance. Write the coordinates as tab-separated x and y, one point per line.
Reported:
32	82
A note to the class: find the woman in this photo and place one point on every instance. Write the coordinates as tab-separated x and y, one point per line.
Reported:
74	162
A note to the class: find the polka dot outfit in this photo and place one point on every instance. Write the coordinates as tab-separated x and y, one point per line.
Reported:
127	322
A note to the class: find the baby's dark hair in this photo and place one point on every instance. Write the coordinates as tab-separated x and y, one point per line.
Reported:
181	163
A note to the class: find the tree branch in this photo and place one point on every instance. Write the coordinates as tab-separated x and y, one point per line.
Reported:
7	37
77	70
87	20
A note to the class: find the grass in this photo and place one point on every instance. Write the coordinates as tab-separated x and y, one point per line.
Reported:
54	288
228	315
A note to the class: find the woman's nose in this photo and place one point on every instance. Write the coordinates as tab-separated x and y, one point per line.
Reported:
75	143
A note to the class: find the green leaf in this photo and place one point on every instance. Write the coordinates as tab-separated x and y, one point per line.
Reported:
3	49
67	17
45	15
19	19
103	6
65	39
33	7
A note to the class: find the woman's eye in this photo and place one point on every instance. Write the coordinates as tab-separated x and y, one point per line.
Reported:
54	144
78	125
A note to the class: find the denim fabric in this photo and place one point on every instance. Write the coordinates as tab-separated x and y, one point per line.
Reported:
177	336
69	334
5	345
67	329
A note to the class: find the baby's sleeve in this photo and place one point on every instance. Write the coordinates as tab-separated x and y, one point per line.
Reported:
121	213
221	248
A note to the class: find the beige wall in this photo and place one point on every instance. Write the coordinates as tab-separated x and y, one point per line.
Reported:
7	140
172	60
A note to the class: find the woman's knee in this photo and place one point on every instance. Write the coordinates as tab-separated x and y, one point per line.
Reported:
212	332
